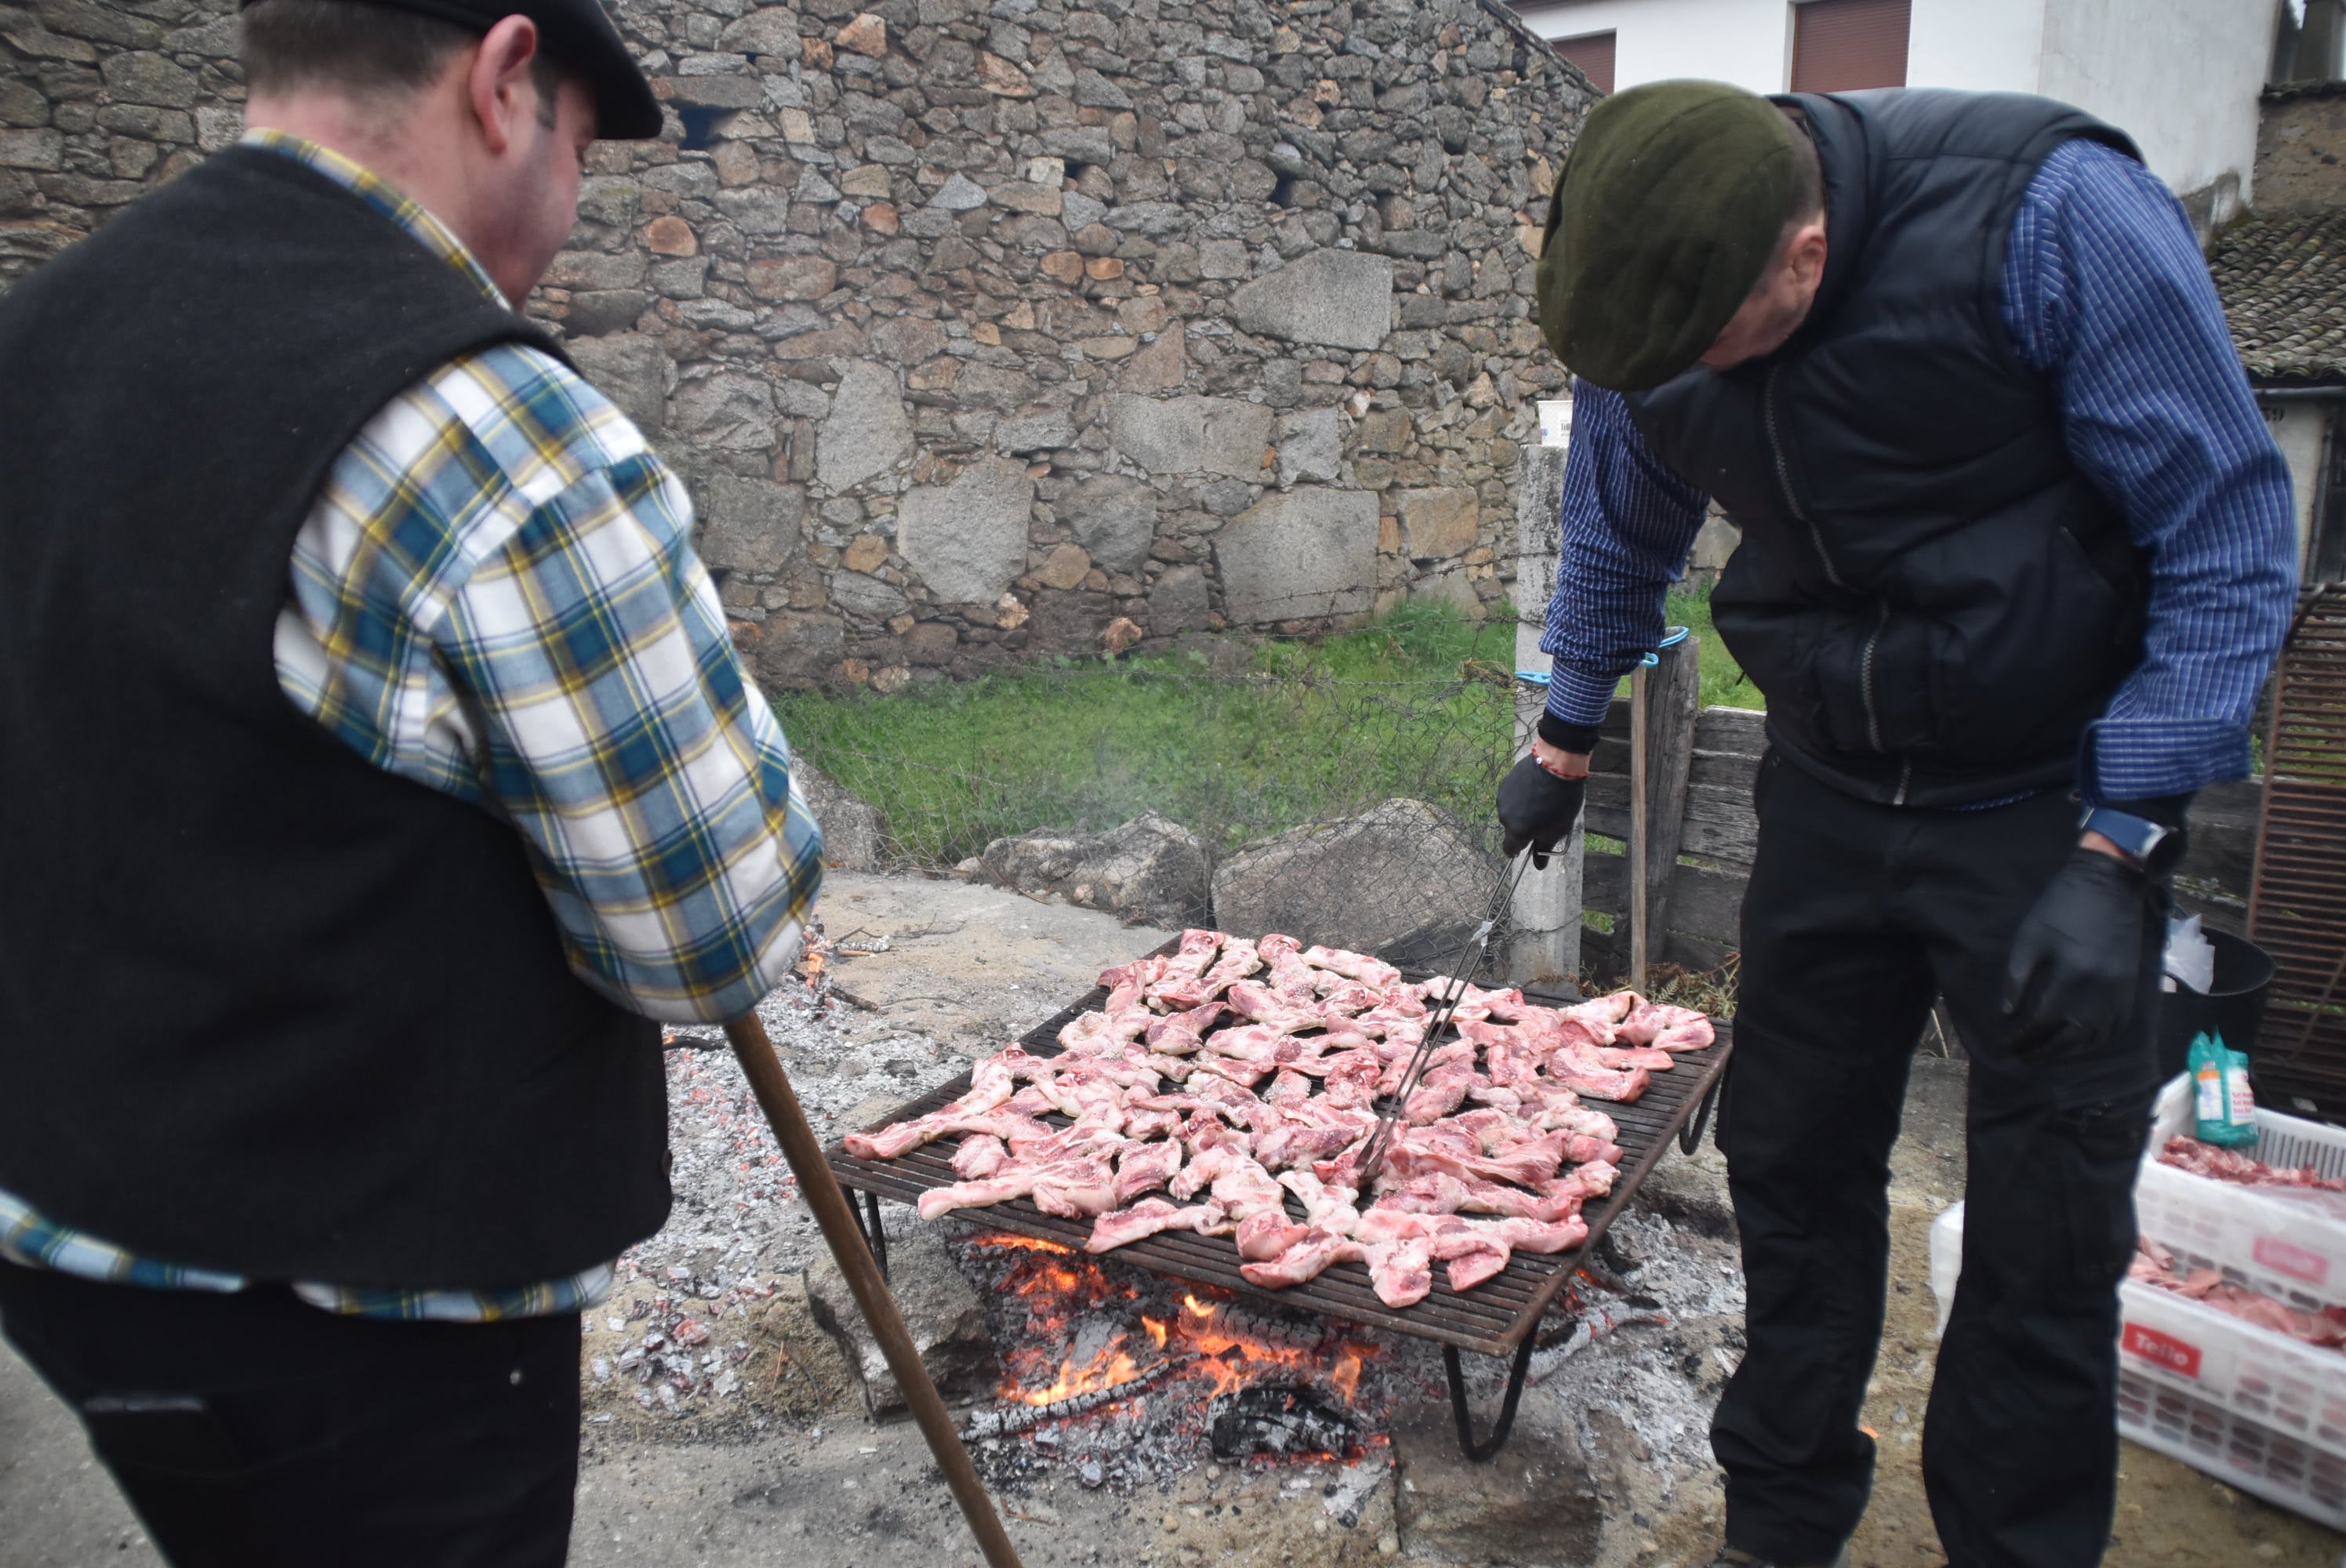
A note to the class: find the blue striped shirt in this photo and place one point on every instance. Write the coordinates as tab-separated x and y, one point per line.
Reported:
2106	294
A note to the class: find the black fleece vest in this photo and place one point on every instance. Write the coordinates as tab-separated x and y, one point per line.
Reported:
263	1006
1933	599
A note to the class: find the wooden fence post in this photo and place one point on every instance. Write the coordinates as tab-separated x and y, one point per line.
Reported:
1664	700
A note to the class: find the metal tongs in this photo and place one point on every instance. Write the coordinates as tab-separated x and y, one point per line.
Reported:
1469	960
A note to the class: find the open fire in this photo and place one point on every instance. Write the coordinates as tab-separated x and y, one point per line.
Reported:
1115	1366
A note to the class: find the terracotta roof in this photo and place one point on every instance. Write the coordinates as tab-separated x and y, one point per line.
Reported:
2282	279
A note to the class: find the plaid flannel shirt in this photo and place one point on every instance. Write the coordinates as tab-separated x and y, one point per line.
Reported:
495	595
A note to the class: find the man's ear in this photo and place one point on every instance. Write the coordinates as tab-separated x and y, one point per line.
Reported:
498	85
1808	256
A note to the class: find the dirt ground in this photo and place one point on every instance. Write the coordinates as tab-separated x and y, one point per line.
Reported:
1609	1468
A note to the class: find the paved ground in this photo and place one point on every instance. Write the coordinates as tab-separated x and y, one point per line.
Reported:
1607	1469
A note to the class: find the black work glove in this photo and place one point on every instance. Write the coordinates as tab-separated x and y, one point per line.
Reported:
1538	809
2077	960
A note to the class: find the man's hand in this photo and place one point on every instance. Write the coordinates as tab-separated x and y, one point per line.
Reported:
2077	960
1539	800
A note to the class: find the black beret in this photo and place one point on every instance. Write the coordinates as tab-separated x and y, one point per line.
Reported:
576	35
1671	204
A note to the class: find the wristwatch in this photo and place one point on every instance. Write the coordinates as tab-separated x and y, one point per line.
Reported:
2153	846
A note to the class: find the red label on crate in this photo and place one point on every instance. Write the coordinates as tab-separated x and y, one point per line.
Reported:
2164	1350
2294	1261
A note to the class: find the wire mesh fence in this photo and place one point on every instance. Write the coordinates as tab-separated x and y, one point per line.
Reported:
1340	789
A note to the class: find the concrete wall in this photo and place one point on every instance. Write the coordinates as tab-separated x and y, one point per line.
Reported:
974	330
2301	432
2301	148
2180	76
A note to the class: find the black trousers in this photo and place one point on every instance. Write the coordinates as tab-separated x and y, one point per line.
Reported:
1856	917
255	1429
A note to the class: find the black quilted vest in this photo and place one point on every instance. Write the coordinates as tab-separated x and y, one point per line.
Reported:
1932	598
263	1006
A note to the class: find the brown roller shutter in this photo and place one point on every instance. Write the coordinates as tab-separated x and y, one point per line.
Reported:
1840	45
1593	53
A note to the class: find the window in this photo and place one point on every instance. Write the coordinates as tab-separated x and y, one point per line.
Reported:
1593	53
1840	45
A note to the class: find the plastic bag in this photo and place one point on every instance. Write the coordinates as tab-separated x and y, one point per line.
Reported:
2190	957
2222	1103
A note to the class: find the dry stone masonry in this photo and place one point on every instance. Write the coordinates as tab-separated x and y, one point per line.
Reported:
978	327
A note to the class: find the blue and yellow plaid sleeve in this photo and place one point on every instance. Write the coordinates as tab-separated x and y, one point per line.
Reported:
498	596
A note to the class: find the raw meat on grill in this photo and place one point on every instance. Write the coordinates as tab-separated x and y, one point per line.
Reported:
1240	1077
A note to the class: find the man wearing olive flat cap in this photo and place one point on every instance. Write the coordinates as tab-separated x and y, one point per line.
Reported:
378	771
2016	559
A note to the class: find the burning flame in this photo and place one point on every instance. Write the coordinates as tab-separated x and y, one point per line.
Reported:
1200	1342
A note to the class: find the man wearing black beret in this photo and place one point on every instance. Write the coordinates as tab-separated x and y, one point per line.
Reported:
2017	556
378	771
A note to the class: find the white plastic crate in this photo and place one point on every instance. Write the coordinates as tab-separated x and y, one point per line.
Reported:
2257	1408
2289	1248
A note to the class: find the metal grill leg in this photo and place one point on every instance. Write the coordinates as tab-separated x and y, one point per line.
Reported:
1690	1136
1487	1448
875	1235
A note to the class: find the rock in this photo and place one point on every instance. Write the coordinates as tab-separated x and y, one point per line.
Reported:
1178	603
867	431
769	30
1299	553
1047	431
1404	881
1115	520
1150	868
1311	448
729	409
968	540
932	643
1448	588
148	79
749	525
1534	1503
793	277
1222	258
1339	297
796	650
866	599
852	834
1438	523
999	77
630	368
867	36
959	194
1065	567
941	1311
1192	434
601	311
1160	367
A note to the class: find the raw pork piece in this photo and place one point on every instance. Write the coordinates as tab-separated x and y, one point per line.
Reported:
1371	972
1664	1028
1143	1167
1622	1058
1120	1227
1264	1234
1299	1142
1583	1076
1128	983
1092	1028
1329	1207
1241	1186
979	1156
1065	1174
987	1106
1287	1089
1238	959
1181	1032
1265	1005
1401	1272
1289	976
1306	1259
1442	1089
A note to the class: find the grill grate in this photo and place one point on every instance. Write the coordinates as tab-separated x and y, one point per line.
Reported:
1493	1318
2297	903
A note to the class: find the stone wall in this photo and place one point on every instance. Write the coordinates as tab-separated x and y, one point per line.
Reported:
2301	139
978	328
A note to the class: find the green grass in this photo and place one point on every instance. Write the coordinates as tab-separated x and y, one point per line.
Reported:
1420	704
1417	705
1724	684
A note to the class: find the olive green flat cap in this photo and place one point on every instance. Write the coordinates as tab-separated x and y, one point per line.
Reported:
1667	210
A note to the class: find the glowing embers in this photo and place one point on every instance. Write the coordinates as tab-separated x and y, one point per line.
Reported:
1159	1365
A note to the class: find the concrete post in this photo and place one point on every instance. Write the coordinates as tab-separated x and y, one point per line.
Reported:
1546	912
